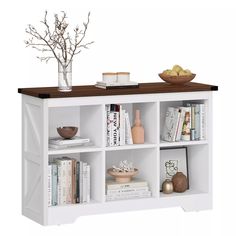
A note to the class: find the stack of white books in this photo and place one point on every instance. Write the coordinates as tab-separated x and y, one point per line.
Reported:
107	85
60	143
136	188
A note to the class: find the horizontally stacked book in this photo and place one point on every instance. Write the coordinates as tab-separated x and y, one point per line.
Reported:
68	181
185	123
136	188
61	143
118	126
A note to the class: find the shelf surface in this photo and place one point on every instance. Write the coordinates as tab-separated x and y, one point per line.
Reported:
91	90
186	193
78	149
182	143
131	146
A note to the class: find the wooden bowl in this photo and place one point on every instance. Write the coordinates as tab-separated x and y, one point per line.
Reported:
181	79
122	177
67	132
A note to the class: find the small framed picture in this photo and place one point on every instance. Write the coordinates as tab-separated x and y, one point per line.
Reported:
173	160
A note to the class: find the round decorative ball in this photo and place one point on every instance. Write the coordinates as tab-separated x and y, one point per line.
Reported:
180	182
167	186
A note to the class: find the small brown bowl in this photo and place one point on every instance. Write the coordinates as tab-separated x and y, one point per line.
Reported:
67	132
180	79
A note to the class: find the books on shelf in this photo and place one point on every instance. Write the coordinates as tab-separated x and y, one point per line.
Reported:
60	143
114	85
118	126
136	188
68	181
184	123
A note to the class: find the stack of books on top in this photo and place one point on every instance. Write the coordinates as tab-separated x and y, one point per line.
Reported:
114	85
185	123
136	188
61	143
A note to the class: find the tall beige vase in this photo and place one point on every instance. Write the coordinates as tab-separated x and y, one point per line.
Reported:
137	129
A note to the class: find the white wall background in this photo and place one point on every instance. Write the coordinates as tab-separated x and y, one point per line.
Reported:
143	37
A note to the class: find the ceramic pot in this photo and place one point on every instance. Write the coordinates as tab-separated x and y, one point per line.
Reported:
167	186
180	182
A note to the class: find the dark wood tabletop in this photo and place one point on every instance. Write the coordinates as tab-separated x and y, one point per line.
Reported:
91	90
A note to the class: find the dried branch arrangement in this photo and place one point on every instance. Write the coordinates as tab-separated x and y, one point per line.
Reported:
55	41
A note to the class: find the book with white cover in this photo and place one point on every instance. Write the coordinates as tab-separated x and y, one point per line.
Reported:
61	187
134	183
69	181
202	121
171	124
54	184
180	125
108	111
122	126
128	134
73	141
138	195
87	176
115	129
84	188
127	190
49	185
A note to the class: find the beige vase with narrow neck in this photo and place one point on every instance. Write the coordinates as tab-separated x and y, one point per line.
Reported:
137	129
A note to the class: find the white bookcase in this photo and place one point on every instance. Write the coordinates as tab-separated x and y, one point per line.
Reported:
40	117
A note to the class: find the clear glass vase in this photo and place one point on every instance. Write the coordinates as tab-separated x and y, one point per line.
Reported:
64	77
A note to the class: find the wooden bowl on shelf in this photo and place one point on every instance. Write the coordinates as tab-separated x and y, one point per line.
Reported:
67	132
180	79
122	177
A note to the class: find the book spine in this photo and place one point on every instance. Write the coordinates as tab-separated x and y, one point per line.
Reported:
112	198
127	190
202	121
73	181
61	187
193	117
81	182
77	182
115	129
88	183
108	124
111	141
129	193
126	185
63	182
128	134
170	125
54	185
123	127
49	185
197	121
68	181
84	182
176	123
186	131
122	130
180	125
